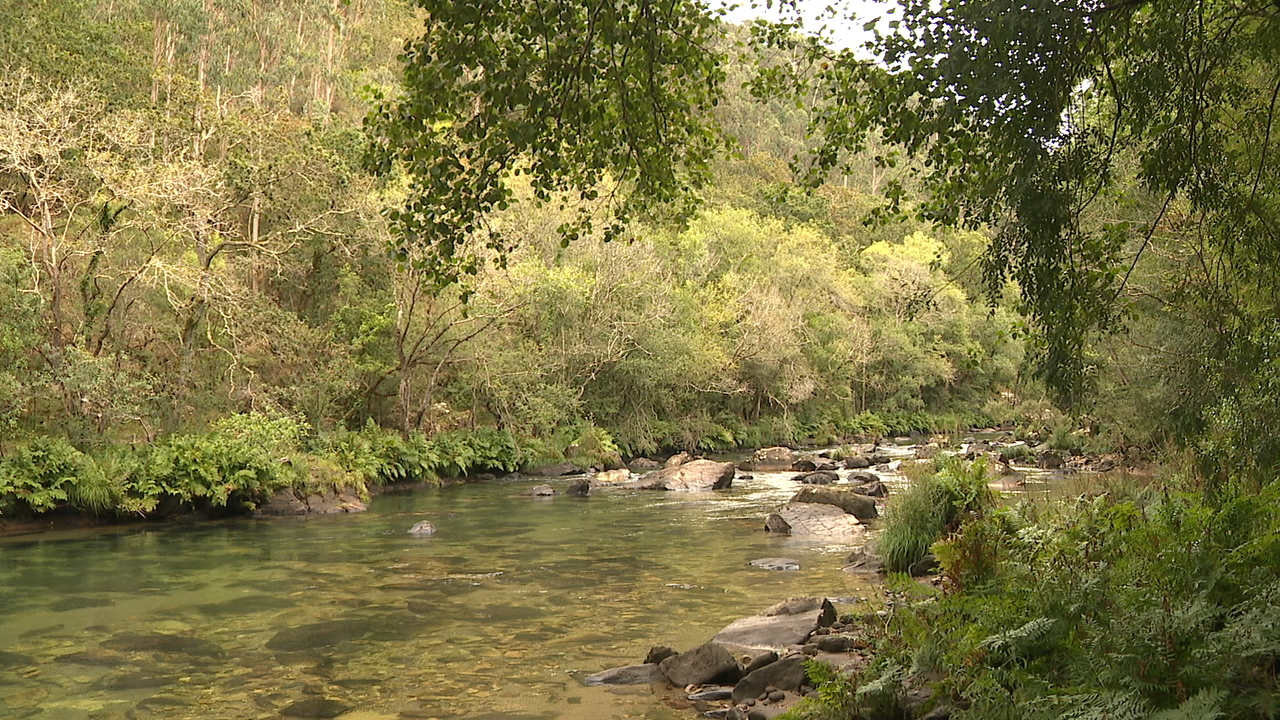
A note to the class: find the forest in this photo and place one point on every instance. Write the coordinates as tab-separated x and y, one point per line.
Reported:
251	245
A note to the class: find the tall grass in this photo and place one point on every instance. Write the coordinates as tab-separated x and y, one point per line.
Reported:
939	496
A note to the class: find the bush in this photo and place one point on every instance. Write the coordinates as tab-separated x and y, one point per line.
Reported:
931	507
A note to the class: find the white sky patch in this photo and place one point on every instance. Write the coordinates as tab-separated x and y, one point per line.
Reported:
841	22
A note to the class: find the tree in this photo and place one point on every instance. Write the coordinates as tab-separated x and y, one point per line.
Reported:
588	98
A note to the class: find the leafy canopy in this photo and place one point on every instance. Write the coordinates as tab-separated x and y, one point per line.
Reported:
589	98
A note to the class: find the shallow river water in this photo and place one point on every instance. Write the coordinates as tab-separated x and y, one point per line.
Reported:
497	616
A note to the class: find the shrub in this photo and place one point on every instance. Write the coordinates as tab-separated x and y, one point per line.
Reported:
931	507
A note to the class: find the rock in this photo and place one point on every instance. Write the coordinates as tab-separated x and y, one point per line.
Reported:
835	643
928	451
539	491
760	660
788	623
315	707
773	459
927	565
819	477
698	475
578	488
878	459
614	462
677	460
658	653
422	529
556	470
625	675
1049	461
775	523
712	694
875	489
704	664
859	506
776	564
804	465
857	462
293	502
785	674
941	712
613	476
976	450
820	520
643	465
863	477
862	561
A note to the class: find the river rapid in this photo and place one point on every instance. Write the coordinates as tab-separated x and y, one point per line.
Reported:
497	616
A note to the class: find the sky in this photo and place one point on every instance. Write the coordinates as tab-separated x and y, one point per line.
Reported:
845	32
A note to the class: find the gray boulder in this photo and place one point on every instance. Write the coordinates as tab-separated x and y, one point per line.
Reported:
702	665
863	476
807	519
291	502
857	462
658	653
859	506
697	475
625	675
785	674
875	489
773	459
790	622
557	470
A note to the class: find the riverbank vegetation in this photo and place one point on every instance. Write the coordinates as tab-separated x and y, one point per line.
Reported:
190	241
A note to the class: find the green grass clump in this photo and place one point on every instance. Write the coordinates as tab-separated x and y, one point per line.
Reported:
931	507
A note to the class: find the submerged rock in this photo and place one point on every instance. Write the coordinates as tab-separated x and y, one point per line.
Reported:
422	529
626	675
164	644
818	477
579	488
776	564
540	491
315	707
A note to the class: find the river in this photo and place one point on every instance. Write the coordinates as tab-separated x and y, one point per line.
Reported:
497	616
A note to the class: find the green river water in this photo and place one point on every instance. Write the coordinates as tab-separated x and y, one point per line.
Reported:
497	616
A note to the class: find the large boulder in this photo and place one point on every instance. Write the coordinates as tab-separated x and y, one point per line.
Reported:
859	506
785	674
790	622
773	459
817	520
857	462
696	475
625	675
775	523
704	664
643	465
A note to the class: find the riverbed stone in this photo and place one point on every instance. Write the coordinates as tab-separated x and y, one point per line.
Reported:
776	564
859	506
642	674
875	489
579	488
811	519
658	653
759	660
773	459
540	491
294	502
790	622
423	528
610	477
704	664
314	707
643	464
556	470
696	475
785	674
677	460
164	644
818	477
857	462
775	523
